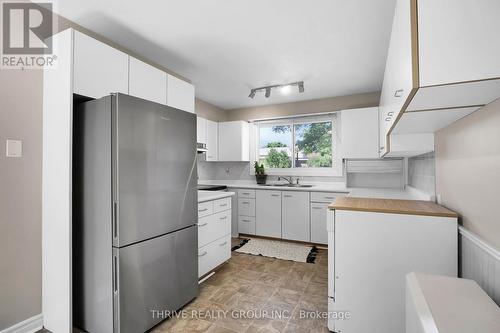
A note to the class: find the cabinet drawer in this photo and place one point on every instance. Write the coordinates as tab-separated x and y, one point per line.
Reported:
213	227
205	208
246	207
213	254
222	205
242	193
246	225
326	196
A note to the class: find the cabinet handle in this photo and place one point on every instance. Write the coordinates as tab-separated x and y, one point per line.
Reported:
329	197
388	119
287	195
246	221
390	114
317	208
202	210
398	93
203	254
223	243
202	225
275	195
210	156
223	205
245	193
223	218
245	202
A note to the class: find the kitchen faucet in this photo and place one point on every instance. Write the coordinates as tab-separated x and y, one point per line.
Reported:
288	179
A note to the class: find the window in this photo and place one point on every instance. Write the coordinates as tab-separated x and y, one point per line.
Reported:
297	144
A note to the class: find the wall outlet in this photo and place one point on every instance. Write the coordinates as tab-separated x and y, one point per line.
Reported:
14	148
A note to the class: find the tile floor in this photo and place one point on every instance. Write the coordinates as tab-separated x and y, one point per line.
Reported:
247	285
254	286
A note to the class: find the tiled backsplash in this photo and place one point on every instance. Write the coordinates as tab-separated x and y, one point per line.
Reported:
241	171
422	173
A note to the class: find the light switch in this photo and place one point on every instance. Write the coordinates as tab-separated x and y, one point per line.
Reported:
14	148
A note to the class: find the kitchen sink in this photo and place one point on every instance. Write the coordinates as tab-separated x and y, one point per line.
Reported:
287	185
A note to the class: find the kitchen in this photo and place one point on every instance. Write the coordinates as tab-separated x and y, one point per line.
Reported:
308	189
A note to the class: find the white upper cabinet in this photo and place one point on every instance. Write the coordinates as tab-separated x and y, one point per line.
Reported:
147	82
180	94
359	132
201	130
212	141
234	141
98	68
443	55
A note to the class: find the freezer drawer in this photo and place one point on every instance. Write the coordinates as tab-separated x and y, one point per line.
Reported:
157	274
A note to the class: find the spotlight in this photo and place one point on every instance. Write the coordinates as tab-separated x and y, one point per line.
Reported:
268	92
252	93
285	90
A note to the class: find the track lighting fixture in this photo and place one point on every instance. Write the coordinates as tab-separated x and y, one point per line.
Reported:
284	88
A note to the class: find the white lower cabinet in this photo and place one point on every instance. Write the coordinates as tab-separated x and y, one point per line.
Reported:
319	233
246	225
295	222
213	254
268	213
214	234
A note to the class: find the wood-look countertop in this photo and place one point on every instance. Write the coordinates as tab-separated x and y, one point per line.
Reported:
409	207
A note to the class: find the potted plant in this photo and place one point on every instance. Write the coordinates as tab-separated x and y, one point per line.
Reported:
260	173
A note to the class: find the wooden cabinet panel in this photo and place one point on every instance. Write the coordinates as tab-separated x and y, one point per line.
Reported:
268	213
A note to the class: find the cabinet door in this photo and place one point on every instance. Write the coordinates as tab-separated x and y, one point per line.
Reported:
212	141
99	69
146	81
319	233
359	128
201	130
295	223
234	141
268	213
180	94
398	75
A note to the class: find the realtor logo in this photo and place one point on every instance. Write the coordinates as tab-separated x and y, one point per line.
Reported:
26	28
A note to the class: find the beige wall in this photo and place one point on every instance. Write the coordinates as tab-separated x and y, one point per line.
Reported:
209	111
20	197
468	171
305	107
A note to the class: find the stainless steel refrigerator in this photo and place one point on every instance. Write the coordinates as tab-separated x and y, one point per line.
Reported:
134	213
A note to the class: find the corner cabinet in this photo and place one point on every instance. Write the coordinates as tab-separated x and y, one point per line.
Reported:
437	69
234	141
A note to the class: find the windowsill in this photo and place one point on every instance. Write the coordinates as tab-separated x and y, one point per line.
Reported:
305	172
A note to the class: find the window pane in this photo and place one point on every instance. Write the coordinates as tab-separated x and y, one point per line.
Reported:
275	145
313	145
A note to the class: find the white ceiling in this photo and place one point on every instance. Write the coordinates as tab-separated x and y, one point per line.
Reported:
337	47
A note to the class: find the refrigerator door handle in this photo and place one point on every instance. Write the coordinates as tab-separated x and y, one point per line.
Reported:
115	220
115	274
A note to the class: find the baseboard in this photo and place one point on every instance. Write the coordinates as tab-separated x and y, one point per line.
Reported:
480	262
29	325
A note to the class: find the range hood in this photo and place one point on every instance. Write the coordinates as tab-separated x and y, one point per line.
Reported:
201	148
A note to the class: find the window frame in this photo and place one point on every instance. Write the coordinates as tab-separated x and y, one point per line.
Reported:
334	171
